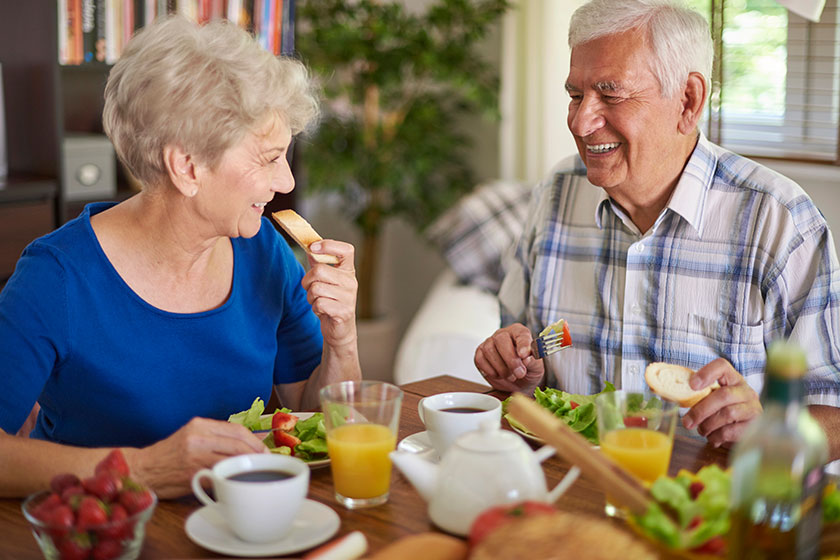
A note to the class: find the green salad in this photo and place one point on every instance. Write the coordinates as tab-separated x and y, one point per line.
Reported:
577	411
311	432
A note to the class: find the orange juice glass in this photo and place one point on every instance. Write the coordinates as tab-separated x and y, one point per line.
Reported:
636	431
361	419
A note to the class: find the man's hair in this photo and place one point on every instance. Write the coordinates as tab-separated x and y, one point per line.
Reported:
201	88
678	36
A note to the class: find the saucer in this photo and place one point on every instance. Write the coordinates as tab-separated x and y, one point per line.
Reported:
314	524
416	443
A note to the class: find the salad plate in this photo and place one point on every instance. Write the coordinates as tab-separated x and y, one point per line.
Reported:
314	524
316	463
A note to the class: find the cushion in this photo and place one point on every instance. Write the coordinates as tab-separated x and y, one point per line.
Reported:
474	234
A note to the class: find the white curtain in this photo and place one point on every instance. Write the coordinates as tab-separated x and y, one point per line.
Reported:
535	64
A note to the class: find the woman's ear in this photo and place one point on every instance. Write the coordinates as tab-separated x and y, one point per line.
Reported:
181	168
693	99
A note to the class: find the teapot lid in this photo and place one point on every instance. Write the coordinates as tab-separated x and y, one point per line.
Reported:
489	438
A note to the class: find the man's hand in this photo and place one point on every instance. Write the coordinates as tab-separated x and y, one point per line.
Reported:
723	415
506	362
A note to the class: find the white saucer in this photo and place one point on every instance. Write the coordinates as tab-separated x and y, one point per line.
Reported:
416	443
314	524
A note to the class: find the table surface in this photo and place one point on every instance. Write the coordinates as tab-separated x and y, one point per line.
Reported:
404	513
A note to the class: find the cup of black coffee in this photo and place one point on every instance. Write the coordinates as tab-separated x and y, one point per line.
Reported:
248	490
448	415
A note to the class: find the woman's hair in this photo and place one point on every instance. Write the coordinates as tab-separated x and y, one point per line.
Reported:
678	36
201	88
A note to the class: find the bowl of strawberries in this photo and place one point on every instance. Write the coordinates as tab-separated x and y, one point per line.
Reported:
99	517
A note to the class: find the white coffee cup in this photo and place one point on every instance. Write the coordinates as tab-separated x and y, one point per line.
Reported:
448	415
256	511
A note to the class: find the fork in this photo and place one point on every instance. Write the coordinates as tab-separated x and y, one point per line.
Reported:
551	342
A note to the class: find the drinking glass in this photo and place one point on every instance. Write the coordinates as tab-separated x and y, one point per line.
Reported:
636	430
361	418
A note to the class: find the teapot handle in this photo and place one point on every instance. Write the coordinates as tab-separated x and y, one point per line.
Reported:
544	453
564	484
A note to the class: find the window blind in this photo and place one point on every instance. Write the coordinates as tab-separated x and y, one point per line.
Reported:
775	86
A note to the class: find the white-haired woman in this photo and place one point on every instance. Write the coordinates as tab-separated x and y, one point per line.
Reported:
144	324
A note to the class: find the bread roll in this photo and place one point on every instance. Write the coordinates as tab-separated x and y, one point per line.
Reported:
561	536
303	233
424	546
671	383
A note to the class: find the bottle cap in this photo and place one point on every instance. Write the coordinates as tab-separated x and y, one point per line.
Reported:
786	360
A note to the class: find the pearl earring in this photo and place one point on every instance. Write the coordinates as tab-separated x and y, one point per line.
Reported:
194	192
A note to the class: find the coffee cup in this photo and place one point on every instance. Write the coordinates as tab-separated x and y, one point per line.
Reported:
448	415
258	495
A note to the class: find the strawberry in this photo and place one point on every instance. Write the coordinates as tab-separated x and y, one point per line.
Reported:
716	546
283	438
92	512
75	547
107	550
114	461
60	482
635	422
70	493
573	404
695	522
45	507
135	500
283	421
105	485
117	528
60	521
695	488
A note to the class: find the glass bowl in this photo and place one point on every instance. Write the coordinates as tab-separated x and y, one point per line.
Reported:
121	539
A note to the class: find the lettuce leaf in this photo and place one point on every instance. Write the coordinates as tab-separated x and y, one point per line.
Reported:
250	418
581	418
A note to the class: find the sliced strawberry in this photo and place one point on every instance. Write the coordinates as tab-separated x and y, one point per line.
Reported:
283	438
695	488
283	421
567	337
695	522
60	482
573	404
92	512
114	461
636	422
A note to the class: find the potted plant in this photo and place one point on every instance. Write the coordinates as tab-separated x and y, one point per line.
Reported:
396	82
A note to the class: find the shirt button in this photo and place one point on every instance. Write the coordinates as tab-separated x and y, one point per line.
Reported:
636	309
640	248
634	369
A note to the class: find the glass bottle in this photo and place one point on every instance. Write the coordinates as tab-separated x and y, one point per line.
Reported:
778	469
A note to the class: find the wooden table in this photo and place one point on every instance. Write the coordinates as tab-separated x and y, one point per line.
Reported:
404	514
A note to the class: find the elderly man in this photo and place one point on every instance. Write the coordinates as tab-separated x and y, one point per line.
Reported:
658	246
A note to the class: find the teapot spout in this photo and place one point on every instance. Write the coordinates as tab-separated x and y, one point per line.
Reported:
422	474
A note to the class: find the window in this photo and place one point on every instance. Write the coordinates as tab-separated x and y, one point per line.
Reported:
776	81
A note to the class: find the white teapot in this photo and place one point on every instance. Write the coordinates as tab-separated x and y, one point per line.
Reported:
484	468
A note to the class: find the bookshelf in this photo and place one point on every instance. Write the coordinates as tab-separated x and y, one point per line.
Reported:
45	101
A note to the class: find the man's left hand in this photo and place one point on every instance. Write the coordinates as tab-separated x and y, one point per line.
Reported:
723	415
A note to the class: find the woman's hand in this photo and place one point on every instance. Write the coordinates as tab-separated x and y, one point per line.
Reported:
167	467
723	415
506	362
331	291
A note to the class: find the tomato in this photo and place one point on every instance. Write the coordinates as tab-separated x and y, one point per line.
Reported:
496	516
715	546
635	422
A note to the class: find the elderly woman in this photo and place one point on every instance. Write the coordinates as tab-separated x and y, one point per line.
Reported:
145	324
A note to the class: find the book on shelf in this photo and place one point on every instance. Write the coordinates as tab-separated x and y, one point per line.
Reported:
92	31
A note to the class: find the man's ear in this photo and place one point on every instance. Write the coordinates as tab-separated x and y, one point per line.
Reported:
181	168
693	100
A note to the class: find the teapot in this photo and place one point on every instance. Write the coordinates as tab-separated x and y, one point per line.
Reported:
481	469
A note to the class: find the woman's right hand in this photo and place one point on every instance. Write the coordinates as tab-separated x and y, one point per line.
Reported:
168	466
505	360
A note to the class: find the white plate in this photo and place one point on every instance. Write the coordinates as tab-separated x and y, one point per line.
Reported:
301	416
416	443
314	524
533	437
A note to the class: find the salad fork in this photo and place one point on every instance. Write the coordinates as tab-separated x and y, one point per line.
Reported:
552	339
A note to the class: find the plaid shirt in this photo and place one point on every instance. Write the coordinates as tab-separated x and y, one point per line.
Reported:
739	257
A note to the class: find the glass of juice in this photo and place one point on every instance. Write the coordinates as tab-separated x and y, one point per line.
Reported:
361	418
636	430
